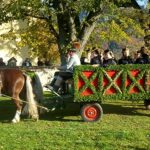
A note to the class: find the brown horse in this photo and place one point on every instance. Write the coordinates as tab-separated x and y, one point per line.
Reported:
14	83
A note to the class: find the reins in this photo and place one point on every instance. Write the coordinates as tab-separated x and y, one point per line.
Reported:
45	108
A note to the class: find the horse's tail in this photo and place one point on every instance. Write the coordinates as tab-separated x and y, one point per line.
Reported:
31	107
37	88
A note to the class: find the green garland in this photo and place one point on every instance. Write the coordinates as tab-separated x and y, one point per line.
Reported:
112	82
32	74
122	92
147	80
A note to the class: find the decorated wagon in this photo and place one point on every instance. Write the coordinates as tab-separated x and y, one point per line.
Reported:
91	85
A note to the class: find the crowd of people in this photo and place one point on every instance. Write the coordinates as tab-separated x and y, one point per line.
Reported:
12	62
96	58
93	57
105	58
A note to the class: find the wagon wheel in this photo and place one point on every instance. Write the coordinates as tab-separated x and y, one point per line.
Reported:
147	104
91	112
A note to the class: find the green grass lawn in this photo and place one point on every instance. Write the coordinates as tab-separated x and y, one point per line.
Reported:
124	126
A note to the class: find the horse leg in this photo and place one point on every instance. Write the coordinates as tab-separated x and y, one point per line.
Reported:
19	108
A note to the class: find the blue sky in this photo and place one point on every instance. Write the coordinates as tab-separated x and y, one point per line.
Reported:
142	3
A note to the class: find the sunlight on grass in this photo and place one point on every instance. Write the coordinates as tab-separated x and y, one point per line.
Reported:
124	126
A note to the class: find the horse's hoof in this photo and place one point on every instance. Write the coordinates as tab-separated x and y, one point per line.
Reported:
15	120
36	119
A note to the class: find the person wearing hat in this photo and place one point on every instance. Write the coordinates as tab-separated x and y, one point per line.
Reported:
66	70
12	62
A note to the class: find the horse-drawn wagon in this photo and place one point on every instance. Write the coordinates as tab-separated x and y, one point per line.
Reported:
92	85
89	87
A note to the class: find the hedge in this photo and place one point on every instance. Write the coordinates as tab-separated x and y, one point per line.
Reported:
122	92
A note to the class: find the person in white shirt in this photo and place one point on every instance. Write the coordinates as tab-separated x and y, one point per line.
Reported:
73	61
67	70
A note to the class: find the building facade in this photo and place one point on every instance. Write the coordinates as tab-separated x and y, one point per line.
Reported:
8	46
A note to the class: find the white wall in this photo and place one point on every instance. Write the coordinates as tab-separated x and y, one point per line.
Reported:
8	48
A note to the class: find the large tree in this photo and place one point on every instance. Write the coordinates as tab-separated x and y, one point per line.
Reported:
68	20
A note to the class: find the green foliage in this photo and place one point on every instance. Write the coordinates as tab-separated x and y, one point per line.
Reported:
113	32
121	26
37	38
40	42
65	23
122	91
30	73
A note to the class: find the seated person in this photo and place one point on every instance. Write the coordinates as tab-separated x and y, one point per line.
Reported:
139	59
126	59
96	58
47	62
86	57
83	60
145	56
68	71
12	62
40	62
27	62
2	62
108	58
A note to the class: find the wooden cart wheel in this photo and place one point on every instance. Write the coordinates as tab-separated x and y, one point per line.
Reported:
147	104
91	112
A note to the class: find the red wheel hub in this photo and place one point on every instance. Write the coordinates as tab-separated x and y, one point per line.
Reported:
91	112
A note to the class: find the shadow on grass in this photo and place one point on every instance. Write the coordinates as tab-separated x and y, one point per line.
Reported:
125	109
73	109
7	111
70	110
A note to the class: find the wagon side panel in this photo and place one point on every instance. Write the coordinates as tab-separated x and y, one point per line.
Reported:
124	82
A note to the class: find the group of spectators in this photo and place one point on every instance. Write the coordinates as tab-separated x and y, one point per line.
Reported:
107	57
94	57
12	62
44	62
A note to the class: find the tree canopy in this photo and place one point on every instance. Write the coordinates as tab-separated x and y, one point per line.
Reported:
68	20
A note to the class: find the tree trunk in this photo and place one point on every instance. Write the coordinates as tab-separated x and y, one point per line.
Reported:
62	38
83	39
85	35
147	32
67	33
